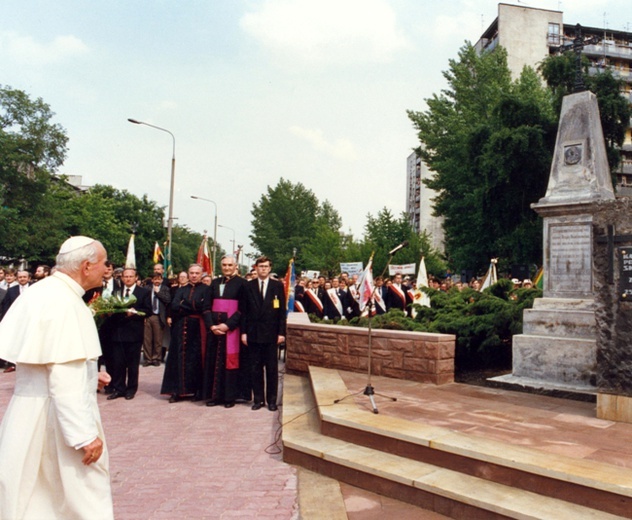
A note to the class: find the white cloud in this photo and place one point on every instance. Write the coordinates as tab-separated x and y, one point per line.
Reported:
27	51
341	148
327	31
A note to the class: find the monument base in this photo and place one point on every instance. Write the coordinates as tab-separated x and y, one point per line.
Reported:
584	393
614	407
558	350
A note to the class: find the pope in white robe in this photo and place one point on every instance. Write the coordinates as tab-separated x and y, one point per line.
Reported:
53	457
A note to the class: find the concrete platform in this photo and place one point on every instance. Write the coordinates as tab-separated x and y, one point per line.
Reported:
468	452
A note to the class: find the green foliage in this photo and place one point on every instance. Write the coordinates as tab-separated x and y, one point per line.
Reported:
614	109
483	323
288	217
489	142
31	148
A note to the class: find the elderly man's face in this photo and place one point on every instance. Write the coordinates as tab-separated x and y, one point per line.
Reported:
228	267
159	269
95	271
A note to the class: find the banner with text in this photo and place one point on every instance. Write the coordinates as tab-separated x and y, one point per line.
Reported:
351	268
401	269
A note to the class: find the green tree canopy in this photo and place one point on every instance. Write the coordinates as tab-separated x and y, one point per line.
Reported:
31	148
488	141
289	216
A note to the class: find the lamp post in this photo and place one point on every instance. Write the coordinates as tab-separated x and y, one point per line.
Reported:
226	227
173	177
214	228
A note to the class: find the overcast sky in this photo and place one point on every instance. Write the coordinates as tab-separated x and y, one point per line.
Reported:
311	91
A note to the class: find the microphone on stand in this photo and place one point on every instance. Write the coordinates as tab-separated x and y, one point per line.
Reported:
397	248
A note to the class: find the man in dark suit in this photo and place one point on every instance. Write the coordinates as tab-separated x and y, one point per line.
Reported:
156	321
126	336
263	330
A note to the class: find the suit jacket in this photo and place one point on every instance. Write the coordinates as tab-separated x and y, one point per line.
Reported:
264	319
3	293
11	296
131	329
164	299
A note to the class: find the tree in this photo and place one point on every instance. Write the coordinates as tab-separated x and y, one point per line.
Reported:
110	215
488	140
31	149
615	111
384	232
289	217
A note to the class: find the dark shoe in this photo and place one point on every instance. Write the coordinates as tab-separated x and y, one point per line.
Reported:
129	395
273	407
9	369
108	390
146	364
156	363
257	406
229	405
174	398
115	395
212	403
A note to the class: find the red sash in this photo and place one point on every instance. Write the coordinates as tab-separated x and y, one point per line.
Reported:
399	293
314	299
232	336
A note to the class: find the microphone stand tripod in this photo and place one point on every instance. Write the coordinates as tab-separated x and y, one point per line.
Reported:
369	391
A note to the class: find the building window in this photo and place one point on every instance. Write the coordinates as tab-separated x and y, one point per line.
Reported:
554	34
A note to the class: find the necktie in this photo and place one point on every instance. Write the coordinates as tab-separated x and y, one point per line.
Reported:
127	293
155	303
262	290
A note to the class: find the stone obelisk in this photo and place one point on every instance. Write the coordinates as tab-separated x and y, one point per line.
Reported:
557	350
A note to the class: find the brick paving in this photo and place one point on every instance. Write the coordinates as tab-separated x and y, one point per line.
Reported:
188	461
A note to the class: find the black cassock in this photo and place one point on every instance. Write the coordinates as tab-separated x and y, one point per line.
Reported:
191	317
224	384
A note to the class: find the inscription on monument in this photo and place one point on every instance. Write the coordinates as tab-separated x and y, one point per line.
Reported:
625	274
570	257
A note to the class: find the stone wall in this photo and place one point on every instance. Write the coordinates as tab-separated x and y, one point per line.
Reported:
613	315
416	356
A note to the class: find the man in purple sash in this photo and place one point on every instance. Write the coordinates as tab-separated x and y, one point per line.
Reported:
225	376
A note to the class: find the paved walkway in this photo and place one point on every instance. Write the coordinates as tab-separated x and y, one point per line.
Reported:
188	461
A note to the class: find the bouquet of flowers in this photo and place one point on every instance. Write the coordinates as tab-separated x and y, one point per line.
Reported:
102	307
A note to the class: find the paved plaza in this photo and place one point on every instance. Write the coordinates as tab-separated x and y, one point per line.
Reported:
188	461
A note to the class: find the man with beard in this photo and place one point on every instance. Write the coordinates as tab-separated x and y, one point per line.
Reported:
225	372
191	319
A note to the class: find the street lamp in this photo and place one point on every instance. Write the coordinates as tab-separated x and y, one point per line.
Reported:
214	229
173	178
226	227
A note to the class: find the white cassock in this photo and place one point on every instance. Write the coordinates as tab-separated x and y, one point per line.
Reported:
50	334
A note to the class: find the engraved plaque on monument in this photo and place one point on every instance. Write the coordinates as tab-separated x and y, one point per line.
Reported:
570	258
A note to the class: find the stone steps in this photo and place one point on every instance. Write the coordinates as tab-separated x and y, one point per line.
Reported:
452	473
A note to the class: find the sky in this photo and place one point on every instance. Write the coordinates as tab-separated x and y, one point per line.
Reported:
314	92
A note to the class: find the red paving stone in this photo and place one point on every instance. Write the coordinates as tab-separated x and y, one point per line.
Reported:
553	425
188	461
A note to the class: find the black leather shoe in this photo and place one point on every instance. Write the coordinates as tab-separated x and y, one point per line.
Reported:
212	403
129	396
229	405
115	395
108	390
174	398
257	406
273	407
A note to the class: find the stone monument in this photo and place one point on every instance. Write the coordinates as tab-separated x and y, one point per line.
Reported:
557	350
